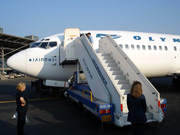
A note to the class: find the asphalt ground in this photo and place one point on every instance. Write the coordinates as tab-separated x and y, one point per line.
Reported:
54	115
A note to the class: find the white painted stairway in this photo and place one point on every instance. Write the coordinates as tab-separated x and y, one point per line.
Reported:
120	82
118	79
123	72
110	75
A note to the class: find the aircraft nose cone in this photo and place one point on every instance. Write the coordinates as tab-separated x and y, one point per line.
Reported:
18	61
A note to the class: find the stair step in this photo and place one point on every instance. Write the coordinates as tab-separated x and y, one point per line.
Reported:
125	91
122	81
117	77
111	65
116	72
125	105
103	54
107	58
113	68
124	86
125	110
109	61
106	55
124	99
125	122
149	115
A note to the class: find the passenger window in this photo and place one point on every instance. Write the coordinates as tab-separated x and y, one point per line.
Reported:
166	48
144	47
43	45
155	48
149	47
160	47
121	46
132	47
138	47
52	44
127	47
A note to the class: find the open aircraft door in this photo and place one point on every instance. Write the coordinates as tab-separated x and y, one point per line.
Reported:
68	51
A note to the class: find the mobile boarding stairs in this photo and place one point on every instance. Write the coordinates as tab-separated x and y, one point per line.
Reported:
110	74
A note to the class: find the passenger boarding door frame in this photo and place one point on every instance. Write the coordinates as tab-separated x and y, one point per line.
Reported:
61	53
70	34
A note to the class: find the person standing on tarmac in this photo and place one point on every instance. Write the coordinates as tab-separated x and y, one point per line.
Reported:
136	103
22	107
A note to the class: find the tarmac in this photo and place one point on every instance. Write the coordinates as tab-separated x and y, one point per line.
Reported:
55	115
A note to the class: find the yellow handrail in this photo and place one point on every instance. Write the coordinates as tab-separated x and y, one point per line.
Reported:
89	92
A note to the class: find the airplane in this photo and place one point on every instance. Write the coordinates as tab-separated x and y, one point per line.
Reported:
156	55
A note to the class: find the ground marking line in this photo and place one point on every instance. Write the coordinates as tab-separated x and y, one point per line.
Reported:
1	102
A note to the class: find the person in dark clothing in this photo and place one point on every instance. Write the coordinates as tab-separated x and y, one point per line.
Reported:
22	107
136	103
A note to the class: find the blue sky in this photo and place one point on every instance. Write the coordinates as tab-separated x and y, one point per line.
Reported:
47	17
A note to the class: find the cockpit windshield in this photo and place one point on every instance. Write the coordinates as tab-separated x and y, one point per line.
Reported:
34	44
45	45
52	44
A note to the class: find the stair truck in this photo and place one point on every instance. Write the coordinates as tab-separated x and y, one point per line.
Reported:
109	75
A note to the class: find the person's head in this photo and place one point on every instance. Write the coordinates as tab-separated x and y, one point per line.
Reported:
136	89
21	86
89	34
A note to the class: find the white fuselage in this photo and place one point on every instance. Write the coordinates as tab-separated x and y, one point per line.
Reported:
156	55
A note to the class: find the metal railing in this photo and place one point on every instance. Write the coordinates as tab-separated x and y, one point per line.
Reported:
89	92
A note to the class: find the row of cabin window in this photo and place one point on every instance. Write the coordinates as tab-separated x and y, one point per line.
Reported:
144	47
